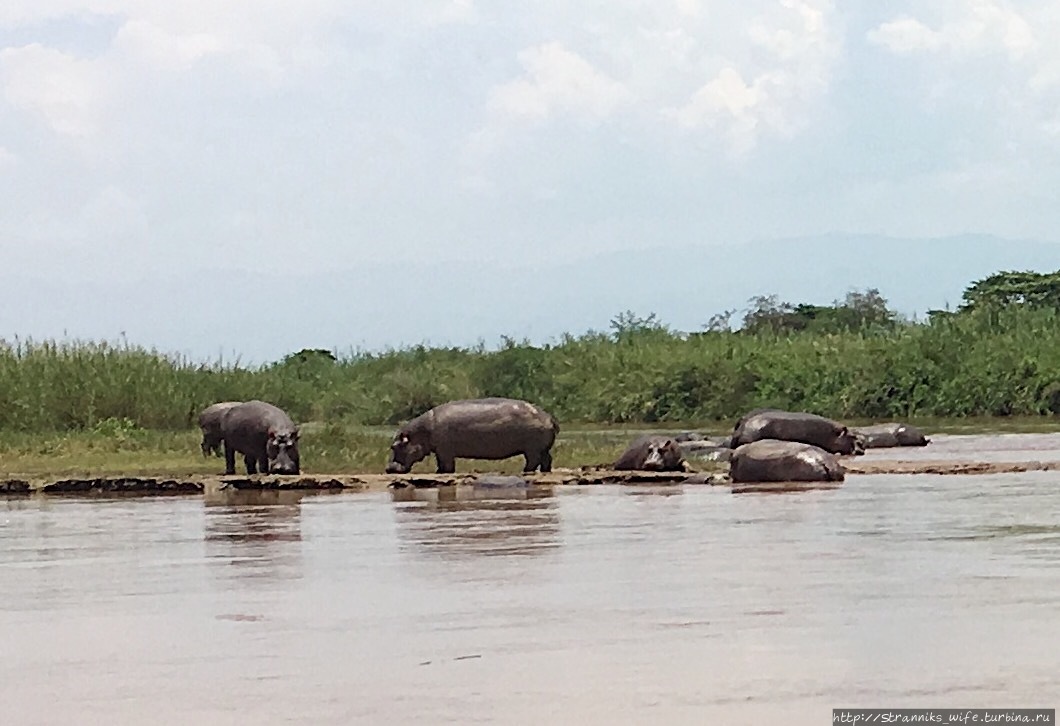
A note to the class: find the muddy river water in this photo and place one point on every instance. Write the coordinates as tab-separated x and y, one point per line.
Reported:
585	605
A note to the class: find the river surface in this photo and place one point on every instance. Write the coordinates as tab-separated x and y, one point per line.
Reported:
580	605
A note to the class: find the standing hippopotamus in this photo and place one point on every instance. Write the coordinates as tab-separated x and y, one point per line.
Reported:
264	434
773	460
210	423
807	428
480	428
892	434
652	453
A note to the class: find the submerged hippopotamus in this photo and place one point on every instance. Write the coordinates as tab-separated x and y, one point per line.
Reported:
264	434
652	453
210	423
480	428
888	435
769	460
806	428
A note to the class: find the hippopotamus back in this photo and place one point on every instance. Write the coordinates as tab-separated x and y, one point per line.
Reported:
480	428
770	460
892	434
802	427
210	423
264	434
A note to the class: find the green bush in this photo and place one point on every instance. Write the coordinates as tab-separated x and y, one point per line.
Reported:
995	361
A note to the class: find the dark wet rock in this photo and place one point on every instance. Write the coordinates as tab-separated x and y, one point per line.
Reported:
123	485
15	486
284	482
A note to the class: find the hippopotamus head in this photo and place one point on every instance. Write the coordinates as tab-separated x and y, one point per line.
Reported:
406	450
849	442
861	442
281	449
662	455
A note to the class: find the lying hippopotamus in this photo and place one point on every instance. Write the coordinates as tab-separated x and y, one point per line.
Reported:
711	448
481	428
652	453
210	423
264	434
773	460
806	428
892	434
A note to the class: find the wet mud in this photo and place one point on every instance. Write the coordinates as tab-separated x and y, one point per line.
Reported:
202	485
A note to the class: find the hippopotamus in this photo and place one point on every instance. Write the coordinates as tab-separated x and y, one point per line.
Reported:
479	428
711	448
773	460
264	434
652	453
210	423
807	428
892	434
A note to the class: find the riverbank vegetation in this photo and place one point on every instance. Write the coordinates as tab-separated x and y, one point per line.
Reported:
997	355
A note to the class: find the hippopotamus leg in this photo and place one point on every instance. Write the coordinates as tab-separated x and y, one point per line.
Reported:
532	462
251	461
546	461
446	463
230	459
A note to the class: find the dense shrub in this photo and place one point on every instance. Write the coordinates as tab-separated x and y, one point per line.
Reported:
993	361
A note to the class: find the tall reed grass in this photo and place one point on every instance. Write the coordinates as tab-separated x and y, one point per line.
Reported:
997	362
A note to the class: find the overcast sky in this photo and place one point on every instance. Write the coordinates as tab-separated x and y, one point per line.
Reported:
148	137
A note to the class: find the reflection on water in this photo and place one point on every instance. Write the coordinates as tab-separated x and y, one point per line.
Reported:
256	533
454	522
586	605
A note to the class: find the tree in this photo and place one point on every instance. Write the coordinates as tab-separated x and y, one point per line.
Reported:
720	322
1013	288
766	313
628	325
858	311
868	308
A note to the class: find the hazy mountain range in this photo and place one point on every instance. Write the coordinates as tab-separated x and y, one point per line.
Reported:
262	317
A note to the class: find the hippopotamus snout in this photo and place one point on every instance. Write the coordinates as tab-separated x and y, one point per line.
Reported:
654	460
395	467
283	466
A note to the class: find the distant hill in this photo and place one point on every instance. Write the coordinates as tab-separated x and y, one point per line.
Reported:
261	318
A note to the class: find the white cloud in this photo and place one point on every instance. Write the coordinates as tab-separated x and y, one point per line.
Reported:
556	82
711	69
67	92
1013	45
983	27
7	159
166	50
775	96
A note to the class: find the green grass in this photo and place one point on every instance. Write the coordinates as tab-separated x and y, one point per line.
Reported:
351	449
995	363
325	449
